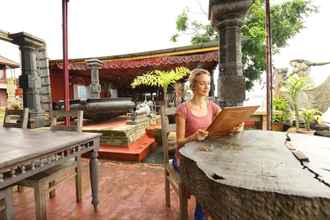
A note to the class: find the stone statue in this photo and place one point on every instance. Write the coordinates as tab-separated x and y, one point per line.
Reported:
317	97
303	67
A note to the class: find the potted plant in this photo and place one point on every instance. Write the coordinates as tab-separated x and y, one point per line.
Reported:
310	116
280	114
295	85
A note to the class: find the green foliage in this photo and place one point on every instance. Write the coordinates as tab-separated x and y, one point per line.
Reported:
200	33
2	114
295	85
281	111
310	116
287	19
181	22
160	78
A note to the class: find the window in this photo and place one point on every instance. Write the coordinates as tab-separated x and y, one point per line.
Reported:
2	74
81	92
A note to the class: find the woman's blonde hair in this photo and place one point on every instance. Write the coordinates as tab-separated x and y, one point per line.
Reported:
194	73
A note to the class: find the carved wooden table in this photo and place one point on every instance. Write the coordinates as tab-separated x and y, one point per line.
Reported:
253	175
24	153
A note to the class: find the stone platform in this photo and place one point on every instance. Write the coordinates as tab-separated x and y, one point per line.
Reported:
136	151
123	140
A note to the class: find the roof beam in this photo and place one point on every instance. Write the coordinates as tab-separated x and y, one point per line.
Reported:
5	36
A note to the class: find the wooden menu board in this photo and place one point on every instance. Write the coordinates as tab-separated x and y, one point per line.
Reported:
229	118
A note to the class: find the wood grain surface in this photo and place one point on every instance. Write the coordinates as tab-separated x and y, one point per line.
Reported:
229	118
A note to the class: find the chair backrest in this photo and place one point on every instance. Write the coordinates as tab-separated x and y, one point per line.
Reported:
166	129
76	123
16	118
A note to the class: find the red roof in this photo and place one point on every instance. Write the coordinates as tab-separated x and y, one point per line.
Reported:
208	57
8	62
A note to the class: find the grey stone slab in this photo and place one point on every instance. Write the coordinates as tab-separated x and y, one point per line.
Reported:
253	175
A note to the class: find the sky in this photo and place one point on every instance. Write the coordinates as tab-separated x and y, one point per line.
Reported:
105	27
98	27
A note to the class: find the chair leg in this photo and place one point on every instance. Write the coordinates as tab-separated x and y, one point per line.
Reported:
52	193
40	201
183	200
78	181
167	191
9	208
20	189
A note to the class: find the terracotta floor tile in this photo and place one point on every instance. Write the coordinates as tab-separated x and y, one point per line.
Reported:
126	191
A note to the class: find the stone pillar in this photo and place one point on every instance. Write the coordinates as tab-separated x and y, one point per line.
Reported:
226	17
30	80
212	86
43	69
94	87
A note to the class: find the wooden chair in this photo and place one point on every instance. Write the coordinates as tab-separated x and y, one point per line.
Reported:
57	125
47	181
171	176
6	204
16	118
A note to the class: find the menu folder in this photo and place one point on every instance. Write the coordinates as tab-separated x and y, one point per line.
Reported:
229	118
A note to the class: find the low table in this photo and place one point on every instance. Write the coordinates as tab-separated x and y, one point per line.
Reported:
24	153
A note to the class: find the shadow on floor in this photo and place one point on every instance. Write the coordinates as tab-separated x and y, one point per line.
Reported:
156	156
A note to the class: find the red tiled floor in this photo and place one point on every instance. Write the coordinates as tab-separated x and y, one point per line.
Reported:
126	191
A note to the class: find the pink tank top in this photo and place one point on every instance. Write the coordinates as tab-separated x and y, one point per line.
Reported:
193	123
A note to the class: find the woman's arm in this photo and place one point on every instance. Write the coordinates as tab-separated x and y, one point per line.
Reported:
180	133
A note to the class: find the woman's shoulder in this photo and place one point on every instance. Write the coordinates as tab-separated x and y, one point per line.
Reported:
214	106
212	103
182	108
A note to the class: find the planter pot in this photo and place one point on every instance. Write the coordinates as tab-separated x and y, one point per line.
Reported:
277	126
305	131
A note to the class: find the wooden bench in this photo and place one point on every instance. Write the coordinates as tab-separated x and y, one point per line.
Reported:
16	118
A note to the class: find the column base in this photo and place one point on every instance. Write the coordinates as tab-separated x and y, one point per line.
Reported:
37	120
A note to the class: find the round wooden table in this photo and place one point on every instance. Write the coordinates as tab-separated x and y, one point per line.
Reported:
253	175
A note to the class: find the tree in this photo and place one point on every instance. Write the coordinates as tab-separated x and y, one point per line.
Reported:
162	79
287	19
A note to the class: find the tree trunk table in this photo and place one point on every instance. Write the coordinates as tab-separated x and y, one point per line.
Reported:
253	175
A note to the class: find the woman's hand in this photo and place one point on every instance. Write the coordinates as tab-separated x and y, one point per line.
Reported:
238	128
199	135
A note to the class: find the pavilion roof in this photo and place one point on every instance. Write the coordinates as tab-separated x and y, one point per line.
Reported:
204	53
7	62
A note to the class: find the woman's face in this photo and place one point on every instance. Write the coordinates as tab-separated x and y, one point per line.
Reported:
202	85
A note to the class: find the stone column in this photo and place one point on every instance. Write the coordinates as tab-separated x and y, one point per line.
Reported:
226	17
43	69
95	87
30	80
212	86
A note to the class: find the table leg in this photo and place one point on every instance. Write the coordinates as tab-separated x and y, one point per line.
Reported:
264	122
93	168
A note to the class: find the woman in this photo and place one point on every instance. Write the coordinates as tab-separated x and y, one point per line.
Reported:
193	117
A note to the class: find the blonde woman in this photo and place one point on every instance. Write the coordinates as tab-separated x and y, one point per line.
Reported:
194	116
